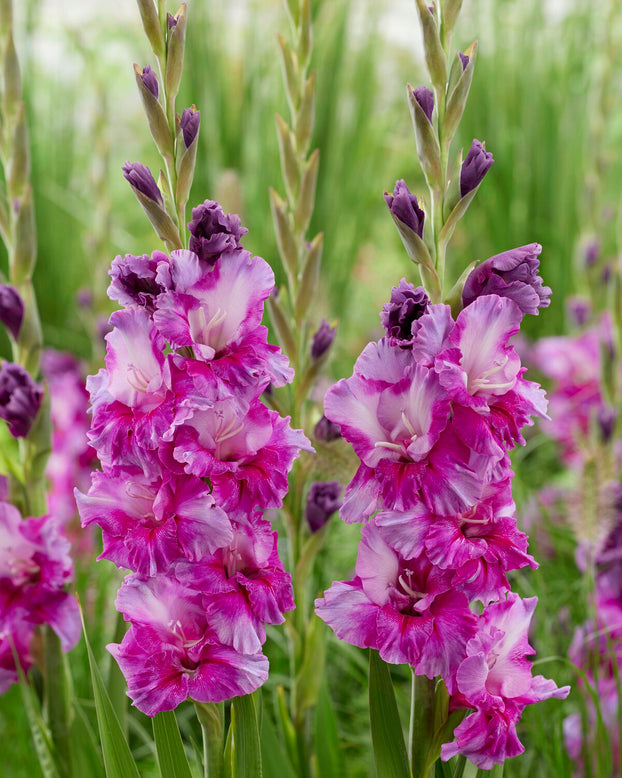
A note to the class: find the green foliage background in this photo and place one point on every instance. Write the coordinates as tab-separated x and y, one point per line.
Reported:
532	101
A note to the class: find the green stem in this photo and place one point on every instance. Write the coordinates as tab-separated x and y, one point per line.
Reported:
58	700
421	732
460	765
211	718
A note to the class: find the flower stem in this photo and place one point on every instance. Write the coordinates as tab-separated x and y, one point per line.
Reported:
211	718
421	732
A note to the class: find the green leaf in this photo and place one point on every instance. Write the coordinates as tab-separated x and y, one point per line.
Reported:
246	749
326	737
275	762
118	760
86	756
171	755
386	729
40	733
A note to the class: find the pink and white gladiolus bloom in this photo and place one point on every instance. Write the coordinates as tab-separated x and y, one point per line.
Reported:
190	459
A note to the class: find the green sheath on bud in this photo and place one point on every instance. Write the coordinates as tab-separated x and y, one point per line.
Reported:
6	16
428	149
305	40
185	171
306	197
284	235
167	195
175	58
419	254
289	160
30	340
454	297
305	115
289	62
434	55
156	118
455	216
293	7
282	329
452	188
18	168
309	282
151	25
25	241
162	223
458	97
12	80
451	11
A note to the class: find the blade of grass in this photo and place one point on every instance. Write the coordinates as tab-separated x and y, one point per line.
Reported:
246	749
386	729
171	755
118	760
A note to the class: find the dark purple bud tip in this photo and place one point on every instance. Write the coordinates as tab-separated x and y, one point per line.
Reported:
477	163
407	304
322	340
327	430
464	59
139	177
403	205
11	309
212	231
607	416
592	252
20	399
322	501
150	80
425	98
579	310
172	21
190	121
513	274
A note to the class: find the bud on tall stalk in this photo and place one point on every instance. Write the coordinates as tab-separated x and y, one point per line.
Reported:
36	568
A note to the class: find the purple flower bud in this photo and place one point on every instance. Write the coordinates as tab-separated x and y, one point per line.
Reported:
172	21
425	98
464	59
327	430
403	205
592	253
322	501
11	309
212	231
140	178
322	340
407	304
579	309
150	80
20	398
513	274
190	121
606	274
477	163
134	280
84	298
607	416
